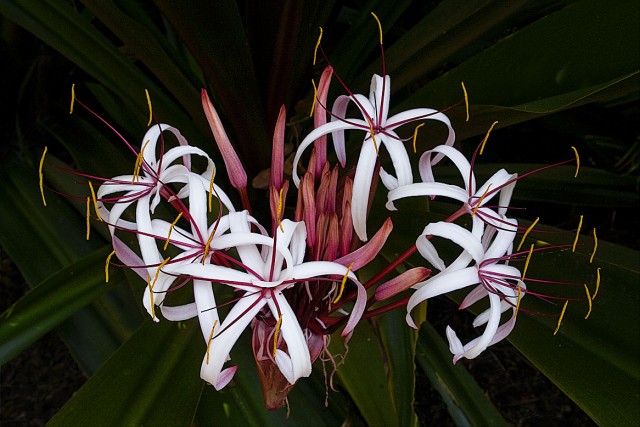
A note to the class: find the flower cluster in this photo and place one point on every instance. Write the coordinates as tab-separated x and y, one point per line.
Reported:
293	283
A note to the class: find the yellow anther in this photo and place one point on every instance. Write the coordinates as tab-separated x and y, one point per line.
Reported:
575	241
373	134
344	280
213	328
88	216
173	224
597	284
589	299
526	263
526	233
208	245
213	175
595	245
276	332
106	266
564	308
279	211
415	135
95	201
150	108
138	164
379	25
475	209
41	176
315	51
73	98
466	100
577	161
153	308
518	301
486	137
162	264
315	96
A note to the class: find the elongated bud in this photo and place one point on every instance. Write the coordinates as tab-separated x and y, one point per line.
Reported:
236	172
402	282
320	118
277	153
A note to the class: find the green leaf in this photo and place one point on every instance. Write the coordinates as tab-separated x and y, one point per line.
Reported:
56	239
152	379
369	388
573	61
53	301
399	344
70	32
594	361
213	33
466	401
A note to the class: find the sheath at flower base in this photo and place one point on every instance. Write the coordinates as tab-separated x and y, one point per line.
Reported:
277	266
379	131
475	200
485	248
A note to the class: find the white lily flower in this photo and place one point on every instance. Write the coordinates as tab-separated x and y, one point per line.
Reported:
268	271
380	131
145	191
475	200
500	282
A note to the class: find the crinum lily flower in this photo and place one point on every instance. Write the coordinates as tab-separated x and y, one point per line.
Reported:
268	271
379	131
475	200
145	190
500	282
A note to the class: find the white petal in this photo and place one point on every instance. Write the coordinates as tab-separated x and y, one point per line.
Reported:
478	345
399	158
180	312
362	187
297	363
429	252
426	189
455	345
226	335
446	281
206	304
317	133
379	95
458	159
459	235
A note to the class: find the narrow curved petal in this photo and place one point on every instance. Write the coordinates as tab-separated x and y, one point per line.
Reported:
441	283
425	189
362	187
226	335
459	235
297	363
318	132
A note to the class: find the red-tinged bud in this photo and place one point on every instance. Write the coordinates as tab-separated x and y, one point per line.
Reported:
277	154
320	118
333	238
346	221
326	197
235	170
401	282
309	208
366	253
